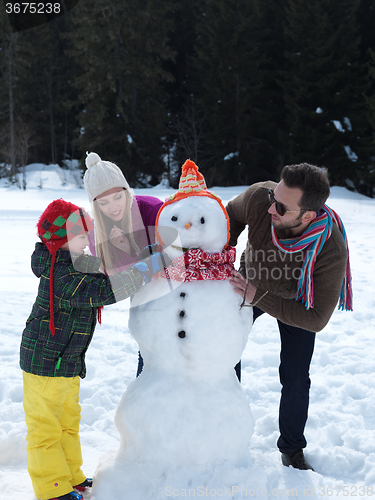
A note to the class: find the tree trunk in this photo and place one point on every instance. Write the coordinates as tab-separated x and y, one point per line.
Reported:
12	40
50	95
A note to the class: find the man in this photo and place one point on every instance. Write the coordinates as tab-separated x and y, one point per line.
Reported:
295	267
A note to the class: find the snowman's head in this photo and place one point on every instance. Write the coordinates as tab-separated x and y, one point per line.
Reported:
197	214
200	223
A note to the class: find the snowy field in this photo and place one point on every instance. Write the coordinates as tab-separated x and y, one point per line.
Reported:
341	425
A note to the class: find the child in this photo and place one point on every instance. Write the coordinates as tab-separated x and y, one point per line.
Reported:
55	340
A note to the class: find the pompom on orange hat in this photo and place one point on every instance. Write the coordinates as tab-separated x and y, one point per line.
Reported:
192	183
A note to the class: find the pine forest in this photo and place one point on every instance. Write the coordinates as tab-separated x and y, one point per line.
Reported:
241	87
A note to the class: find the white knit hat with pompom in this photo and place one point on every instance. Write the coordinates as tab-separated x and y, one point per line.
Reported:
101	176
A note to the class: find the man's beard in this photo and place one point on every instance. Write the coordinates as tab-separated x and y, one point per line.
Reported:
284	230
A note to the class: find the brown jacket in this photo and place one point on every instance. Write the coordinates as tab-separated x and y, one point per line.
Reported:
277	272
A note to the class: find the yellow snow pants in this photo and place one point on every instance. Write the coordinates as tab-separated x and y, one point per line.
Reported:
53	414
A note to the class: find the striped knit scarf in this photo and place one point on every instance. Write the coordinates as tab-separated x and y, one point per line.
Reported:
313	240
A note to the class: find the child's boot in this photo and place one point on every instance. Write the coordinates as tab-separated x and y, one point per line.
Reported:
69	496
87	483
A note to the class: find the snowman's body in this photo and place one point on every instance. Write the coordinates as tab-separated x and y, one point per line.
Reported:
212	420
187	408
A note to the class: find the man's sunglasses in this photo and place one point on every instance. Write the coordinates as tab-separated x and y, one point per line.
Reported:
280	209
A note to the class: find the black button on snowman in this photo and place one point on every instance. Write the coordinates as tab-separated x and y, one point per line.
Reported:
186	411
182	333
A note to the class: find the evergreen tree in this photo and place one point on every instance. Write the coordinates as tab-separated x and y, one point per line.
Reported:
242	87
17	134
121	48
366	18
49	100
367	173
323	85
237	90
9	44
186	117
44	113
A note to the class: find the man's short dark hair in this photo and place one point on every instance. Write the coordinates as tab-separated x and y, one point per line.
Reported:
312	180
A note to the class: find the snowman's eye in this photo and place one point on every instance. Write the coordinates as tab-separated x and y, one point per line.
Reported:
174	218
202	220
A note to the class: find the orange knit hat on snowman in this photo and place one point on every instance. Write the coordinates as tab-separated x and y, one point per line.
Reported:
192	183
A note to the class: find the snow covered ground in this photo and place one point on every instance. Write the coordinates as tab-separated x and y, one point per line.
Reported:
341	425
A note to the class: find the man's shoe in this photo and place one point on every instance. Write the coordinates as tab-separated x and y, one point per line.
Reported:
296	460
87	483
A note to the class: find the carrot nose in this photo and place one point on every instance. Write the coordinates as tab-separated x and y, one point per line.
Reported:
188	225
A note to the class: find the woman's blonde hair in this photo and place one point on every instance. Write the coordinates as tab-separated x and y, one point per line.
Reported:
103	226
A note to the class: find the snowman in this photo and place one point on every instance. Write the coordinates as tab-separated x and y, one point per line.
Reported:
185	420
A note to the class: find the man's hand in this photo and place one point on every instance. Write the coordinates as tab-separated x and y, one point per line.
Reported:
239	284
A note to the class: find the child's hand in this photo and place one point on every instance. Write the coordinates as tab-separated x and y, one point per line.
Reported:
119	240
153	264
147	251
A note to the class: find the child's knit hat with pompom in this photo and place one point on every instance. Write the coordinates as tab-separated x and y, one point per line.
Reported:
60	222
102	176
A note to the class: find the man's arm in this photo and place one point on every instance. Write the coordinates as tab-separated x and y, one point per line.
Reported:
238	212
328	274
244	208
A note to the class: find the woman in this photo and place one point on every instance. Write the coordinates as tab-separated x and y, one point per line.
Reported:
124	223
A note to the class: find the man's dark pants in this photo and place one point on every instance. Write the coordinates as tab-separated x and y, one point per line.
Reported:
297	347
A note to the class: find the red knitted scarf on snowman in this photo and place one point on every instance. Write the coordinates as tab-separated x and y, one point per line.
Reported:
196	265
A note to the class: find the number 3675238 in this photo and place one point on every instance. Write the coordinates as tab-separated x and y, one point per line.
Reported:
32	8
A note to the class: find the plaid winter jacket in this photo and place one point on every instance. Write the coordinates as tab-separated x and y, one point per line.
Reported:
77	295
